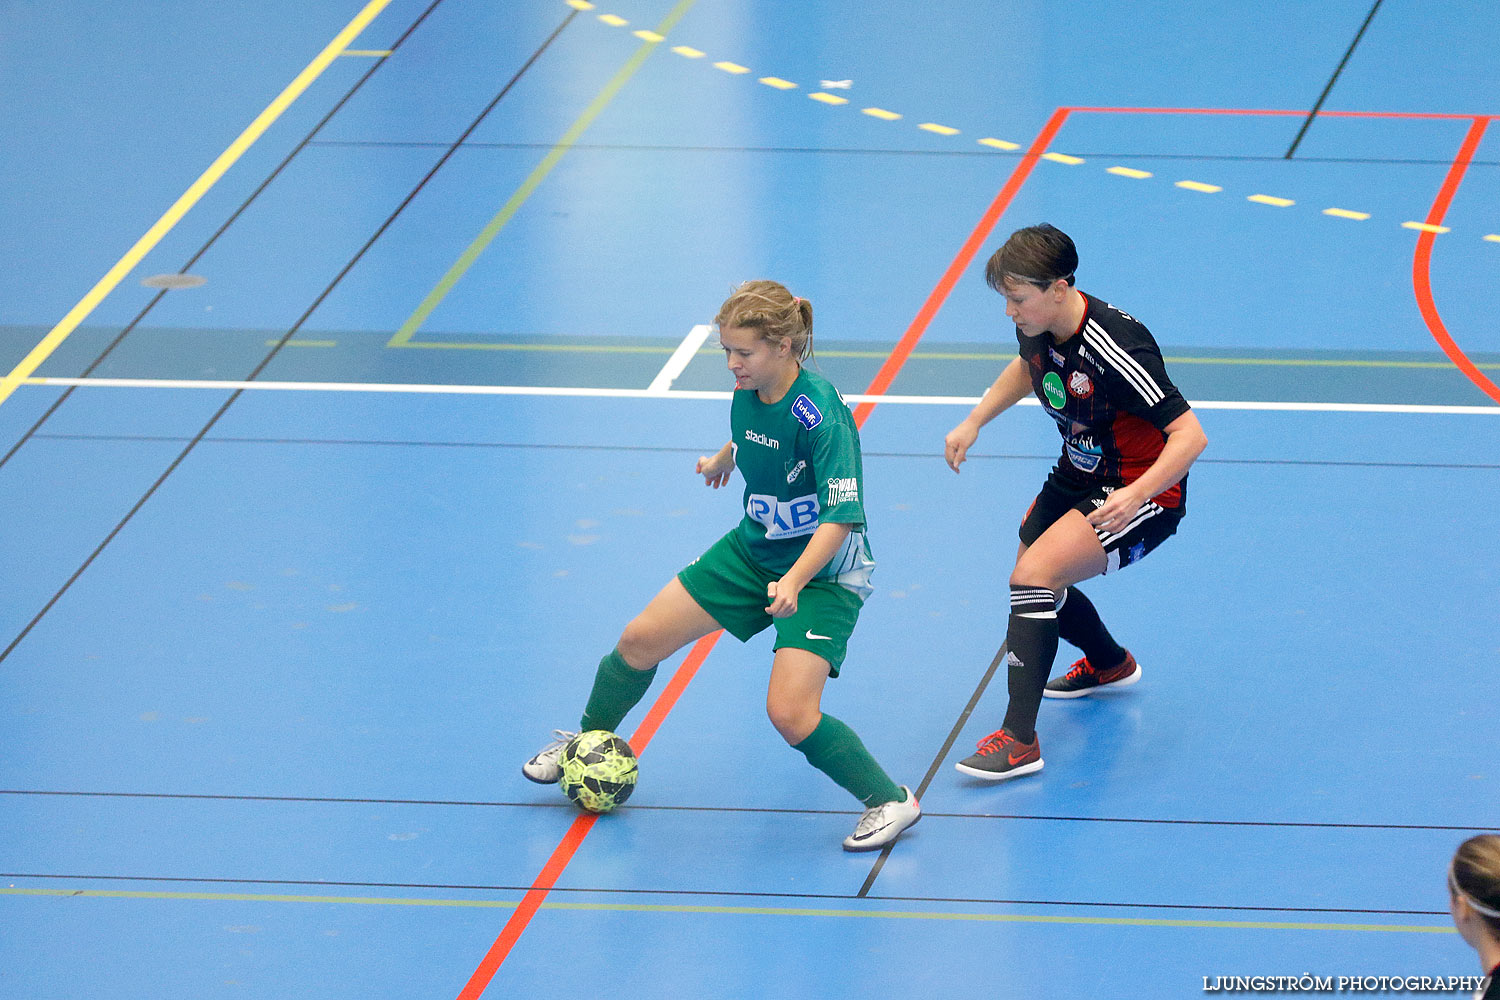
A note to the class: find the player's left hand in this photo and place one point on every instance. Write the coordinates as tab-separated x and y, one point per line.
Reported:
783	597
1118	511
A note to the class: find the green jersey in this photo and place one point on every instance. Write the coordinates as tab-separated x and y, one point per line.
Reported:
801	463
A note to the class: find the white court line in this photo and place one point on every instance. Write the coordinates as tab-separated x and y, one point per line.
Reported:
679	360
539	390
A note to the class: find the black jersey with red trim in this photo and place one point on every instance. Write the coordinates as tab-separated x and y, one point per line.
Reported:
1107	388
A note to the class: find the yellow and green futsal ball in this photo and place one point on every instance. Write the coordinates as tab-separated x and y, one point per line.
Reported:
598	770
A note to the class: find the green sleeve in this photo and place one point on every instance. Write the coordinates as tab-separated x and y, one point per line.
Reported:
838	473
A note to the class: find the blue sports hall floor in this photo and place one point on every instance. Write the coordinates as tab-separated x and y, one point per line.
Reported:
351	383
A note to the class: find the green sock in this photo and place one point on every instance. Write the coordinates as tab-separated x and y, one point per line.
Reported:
617	688
834	749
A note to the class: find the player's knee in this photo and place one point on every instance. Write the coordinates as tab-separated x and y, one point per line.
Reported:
640	645
1034	573
793	719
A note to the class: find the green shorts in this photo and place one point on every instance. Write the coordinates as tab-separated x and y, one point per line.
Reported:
731	587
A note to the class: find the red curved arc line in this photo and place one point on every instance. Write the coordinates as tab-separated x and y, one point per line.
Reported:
1421	268
965	256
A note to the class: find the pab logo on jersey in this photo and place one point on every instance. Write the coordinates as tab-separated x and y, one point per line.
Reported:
807	414
784	518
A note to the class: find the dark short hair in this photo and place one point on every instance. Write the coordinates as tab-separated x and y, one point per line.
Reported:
1036	255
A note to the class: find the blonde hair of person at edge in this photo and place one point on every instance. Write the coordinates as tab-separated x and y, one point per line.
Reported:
1474	900
797	561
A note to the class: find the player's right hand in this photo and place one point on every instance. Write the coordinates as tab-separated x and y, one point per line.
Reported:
956	445
713	475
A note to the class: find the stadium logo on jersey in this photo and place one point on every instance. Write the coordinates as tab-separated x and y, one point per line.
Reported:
1080	385
791	477
761	439
843	491
1058	358
807	414
1052	389
784	518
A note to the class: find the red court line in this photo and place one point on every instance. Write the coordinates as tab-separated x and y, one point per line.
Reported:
1421	265
960	263
573	839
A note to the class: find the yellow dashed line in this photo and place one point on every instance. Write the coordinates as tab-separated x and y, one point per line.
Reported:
688	52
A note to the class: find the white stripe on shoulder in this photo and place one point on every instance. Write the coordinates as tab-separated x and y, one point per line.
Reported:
1127	366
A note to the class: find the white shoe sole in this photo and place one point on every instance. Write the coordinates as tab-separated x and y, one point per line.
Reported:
1014	772
1122	682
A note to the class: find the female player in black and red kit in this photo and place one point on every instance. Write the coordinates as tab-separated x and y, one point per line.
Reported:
1118	490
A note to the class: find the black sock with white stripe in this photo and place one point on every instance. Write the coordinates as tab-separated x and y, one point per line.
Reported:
1032	639
1079	624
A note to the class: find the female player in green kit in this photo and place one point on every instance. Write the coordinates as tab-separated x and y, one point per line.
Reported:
798	560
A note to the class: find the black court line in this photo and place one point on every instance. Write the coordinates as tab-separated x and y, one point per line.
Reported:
233	218
921	790
936	153
1331	81
663	449
724	893
276	349
963	719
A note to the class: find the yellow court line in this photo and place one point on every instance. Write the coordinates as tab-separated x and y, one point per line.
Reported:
512	205
736	911
1263	199
189	198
